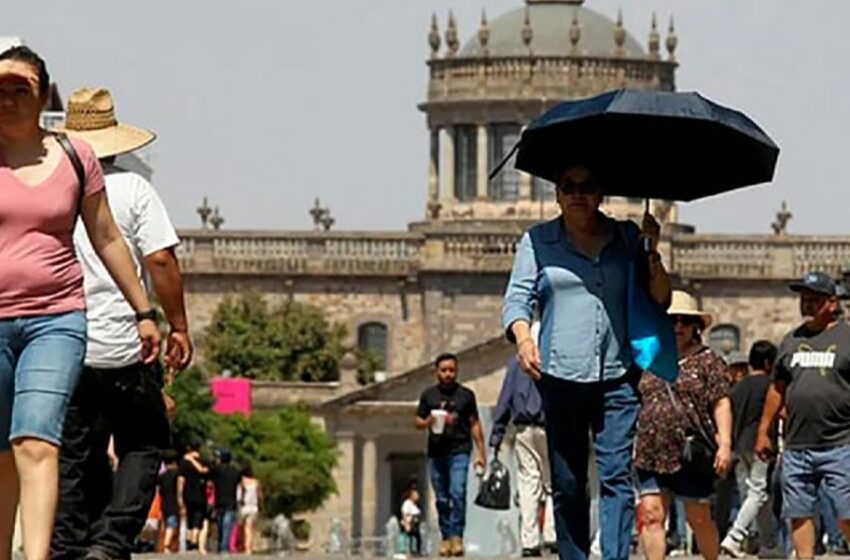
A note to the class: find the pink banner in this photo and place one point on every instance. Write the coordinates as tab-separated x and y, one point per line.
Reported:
231	395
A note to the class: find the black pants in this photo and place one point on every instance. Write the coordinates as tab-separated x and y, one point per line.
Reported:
100	511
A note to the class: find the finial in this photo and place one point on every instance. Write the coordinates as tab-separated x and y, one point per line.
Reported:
620	34
452	41
654	39
484	31
217	220
434	36
327	220
204	211
316	212
672	40
780	226
527	32
575	32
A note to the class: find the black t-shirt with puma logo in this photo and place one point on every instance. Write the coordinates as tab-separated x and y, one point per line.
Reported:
816	367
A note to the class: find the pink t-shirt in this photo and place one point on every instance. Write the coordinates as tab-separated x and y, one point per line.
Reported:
39	272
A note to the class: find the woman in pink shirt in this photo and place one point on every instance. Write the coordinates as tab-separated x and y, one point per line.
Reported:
42	307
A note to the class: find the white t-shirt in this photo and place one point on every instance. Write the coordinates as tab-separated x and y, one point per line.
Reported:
113	338
410	509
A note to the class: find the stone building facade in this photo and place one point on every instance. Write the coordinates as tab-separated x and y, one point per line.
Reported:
438	286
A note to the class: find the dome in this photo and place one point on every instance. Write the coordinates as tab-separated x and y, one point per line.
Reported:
550	24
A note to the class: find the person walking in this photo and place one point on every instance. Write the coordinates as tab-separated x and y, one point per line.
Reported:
252	506
450	412
47	181
751	472
172	502
519	401
574	272
694	411
812	381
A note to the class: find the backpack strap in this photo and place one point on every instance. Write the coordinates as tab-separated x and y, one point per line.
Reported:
78	167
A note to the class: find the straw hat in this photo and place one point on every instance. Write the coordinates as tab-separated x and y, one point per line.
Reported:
91	117
686	305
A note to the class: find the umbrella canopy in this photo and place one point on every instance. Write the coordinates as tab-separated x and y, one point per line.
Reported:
649	144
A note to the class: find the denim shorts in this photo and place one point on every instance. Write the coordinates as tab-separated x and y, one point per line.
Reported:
40	362
684	484
172	522
804	471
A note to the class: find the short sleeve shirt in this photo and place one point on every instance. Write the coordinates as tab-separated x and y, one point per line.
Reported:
703	380
816	368
461	406
140	215
39	271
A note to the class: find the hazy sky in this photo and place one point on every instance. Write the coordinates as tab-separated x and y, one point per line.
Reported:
264	105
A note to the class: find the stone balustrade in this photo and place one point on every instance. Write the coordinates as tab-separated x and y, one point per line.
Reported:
539	77
447	249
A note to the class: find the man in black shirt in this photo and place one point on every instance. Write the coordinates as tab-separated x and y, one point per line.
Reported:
812	380
450	411
172	501
751	472
226	479
192	485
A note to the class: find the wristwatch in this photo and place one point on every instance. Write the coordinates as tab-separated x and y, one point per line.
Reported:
149	315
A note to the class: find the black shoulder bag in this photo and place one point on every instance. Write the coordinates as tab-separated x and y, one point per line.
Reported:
78	167
699	450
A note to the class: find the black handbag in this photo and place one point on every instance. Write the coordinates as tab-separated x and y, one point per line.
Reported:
699	450
495	490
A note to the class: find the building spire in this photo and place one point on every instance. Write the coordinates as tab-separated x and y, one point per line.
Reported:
434	36
527	32
452	41
654	39
620	34
575	33
672	40
484	31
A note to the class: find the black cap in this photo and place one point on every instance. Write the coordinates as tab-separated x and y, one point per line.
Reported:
818	282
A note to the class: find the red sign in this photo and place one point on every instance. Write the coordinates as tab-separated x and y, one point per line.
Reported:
231	395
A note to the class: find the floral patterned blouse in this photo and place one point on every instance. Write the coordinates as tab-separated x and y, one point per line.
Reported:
703	380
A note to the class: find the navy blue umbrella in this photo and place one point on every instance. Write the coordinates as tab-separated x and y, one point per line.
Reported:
649	144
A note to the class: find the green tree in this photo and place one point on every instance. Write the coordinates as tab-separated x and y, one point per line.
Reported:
195	419
292	457
290	342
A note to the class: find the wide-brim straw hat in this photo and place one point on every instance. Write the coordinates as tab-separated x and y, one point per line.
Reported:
91	117
684	304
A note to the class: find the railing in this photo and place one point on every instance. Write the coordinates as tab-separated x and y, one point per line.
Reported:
300	253
464	77
404	254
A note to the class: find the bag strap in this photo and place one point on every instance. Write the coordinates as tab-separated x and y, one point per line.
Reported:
78	167
681	412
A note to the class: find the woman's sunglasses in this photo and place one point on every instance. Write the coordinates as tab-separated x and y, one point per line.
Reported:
580	188
685	320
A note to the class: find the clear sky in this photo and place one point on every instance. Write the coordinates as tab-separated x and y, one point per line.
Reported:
264	105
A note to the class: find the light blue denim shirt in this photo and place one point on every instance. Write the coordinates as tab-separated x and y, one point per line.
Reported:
582	301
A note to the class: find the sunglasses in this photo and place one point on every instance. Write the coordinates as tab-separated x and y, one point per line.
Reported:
583	187
685	320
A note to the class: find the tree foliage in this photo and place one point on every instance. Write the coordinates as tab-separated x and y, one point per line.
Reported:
290	342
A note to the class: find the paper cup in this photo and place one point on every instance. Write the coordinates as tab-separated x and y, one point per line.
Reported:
439	421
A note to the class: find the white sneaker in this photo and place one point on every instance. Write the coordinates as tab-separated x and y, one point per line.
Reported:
732	548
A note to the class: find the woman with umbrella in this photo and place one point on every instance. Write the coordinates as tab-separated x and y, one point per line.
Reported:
574	271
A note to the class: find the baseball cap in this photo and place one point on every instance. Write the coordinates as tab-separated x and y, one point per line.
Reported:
818	282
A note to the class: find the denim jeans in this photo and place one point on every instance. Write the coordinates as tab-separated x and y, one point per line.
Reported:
40	362
608	410
448	477
226	518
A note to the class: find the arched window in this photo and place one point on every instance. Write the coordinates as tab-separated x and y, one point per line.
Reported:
724	339
373	337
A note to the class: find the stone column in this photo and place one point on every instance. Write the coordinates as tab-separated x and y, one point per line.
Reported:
369	486
525	185
448	177
339	505
481	160
434	166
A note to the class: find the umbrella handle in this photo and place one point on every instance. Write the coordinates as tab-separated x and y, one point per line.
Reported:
647	243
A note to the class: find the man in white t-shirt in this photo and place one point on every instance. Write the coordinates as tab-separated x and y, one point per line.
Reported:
100	514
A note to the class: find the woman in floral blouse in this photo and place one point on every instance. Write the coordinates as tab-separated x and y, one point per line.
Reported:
697	403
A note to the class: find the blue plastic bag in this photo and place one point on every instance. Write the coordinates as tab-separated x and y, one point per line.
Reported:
651	335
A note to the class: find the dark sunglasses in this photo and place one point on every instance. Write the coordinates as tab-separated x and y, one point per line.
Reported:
583	187
686	320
